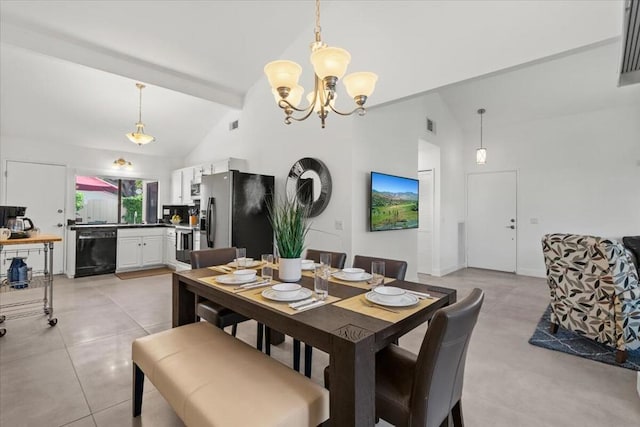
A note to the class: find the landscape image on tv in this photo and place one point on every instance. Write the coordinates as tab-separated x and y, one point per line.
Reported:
394	202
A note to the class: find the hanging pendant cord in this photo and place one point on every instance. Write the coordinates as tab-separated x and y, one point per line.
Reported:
480	130
140	107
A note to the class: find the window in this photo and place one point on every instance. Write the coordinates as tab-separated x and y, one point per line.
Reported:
102	200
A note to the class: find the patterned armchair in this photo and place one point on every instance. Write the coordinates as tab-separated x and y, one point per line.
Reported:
594	290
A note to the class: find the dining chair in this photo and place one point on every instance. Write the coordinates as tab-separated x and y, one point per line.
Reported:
392	268
210	311
337	258
337	261
425	389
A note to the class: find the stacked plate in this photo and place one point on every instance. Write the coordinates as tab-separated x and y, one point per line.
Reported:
391	297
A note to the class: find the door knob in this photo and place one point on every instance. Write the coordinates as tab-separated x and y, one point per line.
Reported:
513	220
511	227
60	224
60	211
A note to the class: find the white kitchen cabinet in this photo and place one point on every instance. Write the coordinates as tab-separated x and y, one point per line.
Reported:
138	248
152	250
187	179
170	247
129	253
176	187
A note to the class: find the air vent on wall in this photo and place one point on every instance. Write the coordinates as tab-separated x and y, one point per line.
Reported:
431	126
233	125
630	67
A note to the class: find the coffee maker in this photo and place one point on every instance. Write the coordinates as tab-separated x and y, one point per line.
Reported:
12	217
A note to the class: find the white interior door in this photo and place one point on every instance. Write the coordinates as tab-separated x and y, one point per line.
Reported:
41	188
491	221
426	211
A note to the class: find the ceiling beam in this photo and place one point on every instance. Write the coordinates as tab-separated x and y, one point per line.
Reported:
51	43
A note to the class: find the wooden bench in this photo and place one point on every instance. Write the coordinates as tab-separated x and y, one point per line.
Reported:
211	378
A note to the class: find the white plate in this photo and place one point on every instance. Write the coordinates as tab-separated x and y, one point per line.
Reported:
230	279
250	264
352	278
303	293
309	266
404	300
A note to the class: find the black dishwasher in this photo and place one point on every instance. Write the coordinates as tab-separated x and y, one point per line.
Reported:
95	251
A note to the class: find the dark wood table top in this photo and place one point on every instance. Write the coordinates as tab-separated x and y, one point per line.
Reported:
315	326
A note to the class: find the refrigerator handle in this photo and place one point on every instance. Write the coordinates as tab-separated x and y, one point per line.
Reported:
211	222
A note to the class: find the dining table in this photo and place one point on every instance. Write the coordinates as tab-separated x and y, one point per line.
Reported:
347	327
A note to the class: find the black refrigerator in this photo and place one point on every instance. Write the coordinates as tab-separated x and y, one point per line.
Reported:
235	210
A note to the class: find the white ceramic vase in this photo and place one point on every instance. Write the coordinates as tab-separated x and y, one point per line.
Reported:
290	269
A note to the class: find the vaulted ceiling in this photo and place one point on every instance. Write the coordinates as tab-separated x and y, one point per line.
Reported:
68	68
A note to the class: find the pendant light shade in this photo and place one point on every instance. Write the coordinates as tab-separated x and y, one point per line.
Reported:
481	153
360	84
481	156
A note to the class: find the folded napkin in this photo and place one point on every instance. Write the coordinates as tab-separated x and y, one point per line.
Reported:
302	303
312	305
253	285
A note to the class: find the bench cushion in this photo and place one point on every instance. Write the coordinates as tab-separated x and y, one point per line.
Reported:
210	378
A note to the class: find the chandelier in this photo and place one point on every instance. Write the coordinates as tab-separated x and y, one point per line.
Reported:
329	65
481	153
138	136
122	163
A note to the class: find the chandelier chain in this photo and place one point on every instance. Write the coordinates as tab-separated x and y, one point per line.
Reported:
317	29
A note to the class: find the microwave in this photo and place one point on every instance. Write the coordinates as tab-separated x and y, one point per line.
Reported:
195	190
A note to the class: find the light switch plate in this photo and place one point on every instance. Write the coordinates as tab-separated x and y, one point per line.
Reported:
338	224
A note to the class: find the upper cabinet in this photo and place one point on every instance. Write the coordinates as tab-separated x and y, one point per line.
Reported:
182	179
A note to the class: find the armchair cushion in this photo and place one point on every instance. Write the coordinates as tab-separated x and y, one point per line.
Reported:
594	288
632	243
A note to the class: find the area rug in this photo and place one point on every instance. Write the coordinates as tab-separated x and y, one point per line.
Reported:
572	343
143	273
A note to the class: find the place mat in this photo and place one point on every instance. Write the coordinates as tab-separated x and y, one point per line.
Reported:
211	281
310	273
358	304
222	269
282	306
362	284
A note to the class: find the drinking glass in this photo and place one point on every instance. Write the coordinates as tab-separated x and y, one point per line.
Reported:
276	255
267	267
325	259
321	281
241	258
377	270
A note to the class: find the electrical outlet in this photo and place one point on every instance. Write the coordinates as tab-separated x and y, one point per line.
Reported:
338	224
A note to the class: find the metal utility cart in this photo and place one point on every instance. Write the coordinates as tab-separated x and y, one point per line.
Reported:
15	308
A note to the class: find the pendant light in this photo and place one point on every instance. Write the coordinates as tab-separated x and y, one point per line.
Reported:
481	153
138	136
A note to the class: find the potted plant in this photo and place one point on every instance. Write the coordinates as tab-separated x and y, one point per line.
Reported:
289	221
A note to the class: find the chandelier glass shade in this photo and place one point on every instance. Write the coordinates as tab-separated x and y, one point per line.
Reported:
122	163
329	65
481	153
138	136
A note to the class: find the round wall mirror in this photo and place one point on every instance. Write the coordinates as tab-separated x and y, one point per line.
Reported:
309	182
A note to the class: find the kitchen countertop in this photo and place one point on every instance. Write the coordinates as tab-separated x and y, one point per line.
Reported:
118	226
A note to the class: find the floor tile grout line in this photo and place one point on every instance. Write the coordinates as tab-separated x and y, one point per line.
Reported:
75	372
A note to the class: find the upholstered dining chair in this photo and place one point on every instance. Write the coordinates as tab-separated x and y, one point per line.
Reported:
337	261
210	311
392	268
337	258
425	389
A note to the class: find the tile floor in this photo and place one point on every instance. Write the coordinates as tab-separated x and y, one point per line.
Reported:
78	373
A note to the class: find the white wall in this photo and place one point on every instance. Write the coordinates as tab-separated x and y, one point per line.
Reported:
577	173
86	161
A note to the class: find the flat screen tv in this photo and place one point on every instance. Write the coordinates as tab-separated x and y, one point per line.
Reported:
393	202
